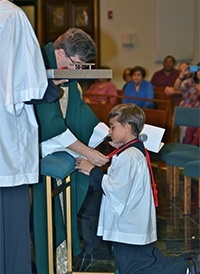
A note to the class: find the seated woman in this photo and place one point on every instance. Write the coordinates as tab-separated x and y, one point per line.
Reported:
101	87
189	86
127	76
140	88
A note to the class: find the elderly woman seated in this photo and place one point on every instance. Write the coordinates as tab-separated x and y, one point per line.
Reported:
139	88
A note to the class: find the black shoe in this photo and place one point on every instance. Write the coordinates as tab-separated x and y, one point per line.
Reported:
82	262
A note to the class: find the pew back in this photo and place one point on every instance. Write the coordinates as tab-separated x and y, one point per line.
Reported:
157	117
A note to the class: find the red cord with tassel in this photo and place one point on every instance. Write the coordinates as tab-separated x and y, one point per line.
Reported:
153	183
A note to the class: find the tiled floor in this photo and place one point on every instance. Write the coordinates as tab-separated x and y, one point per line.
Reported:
177	233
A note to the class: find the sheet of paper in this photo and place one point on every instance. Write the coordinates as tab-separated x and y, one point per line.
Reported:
154	137
98	135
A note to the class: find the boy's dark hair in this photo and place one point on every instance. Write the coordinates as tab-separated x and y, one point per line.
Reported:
129	114
76	41
138	68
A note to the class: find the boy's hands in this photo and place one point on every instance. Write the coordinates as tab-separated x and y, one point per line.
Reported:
83	165
95	157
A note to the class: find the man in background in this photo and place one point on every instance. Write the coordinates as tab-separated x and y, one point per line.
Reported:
167	75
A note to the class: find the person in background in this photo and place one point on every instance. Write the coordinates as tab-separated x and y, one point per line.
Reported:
189	85
127	214
101	87
170	90
139	88
167	75
22	79
126	76
190	88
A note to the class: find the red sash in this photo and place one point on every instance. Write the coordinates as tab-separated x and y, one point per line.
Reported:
153	184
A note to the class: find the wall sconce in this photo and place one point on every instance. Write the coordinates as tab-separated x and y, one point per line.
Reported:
129	38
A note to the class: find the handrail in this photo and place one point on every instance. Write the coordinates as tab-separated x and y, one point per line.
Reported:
85	95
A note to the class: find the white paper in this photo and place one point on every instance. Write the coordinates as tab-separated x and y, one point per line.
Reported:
98	135
154	137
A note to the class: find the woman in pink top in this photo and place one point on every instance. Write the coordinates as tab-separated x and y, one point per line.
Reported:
101	87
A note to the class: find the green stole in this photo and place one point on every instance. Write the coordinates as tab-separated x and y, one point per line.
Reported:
81	121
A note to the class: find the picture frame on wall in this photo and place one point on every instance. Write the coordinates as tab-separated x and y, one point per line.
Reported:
82	15
57	15
52	18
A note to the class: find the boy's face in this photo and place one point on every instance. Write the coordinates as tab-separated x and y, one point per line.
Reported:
118	132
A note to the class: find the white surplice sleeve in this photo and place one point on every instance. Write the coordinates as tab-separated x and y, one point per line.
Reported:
65	139
57	143
21	56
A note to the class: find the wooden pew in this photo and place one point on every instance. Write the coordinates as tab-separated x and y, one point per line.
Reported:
101	111
156	117
174	100
159	94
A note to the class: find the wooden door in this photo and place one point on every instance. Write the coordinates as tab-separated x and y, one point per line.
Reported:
56	16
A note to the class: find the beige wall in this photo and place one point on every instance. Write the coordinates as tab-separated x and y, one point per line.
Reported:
138	17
